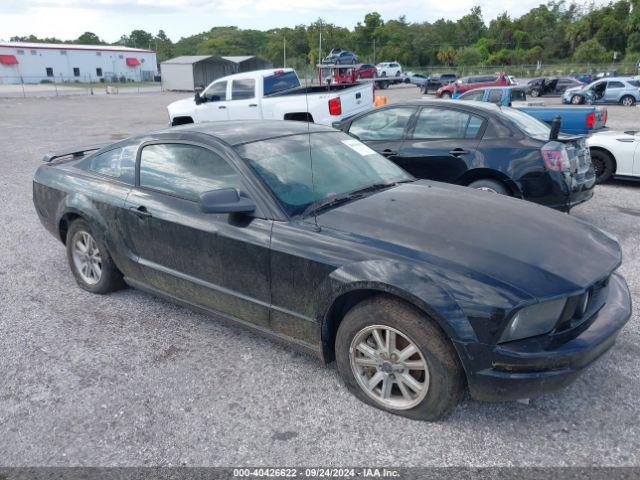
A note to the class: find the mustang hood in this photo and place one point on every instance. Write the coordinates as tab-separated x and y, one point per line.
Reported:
529	247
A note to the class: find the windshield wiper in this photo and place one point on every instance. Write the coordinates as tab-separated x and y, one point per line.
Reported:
335	200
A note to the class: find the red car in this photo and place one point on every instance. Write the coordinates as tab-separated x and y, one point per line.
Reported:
366	71
468	83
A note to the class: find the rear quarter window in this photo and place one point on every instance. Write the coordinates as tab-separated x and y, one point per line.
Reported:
118	163
280	82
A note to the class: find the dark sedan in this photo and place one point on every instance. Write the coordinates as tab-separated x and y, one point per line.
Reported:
417	289
481	145
540	86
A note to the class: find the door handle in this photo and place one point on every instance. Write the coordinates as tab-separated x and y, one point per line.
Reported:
253	104
140	211
456	152
222	107
388	152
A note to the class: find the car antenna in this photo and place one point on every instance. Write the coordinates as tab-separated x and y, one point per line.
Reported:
313	184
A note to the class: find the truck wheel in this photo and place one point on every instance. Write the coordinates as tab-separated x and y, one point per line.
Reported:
628	101
492	186
603	164
394	357
577	100
89	260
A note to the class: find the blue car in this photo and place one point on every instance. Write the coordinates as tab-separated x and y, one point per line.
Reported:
622	90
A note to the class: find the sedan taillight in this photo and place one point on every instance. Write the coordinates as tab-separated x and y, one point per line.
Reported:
555	157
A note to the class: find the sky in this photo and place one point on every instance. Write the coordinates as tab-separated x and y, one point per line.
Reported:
68	19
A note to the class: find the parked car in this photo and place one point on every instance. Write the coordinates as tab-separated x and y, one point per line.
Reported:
438	80
615	154
417	79
337	56
366	71
581	120
480	145
469	83
389	69
512	80
417	289
624	91
584	78
540	86
271	94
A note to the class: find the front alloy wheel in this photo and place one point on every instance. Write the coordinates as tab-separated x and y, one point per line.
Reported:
389	367
86	257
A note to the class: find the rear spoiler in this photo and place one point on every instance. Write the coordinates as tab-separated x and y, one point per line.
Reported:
77	152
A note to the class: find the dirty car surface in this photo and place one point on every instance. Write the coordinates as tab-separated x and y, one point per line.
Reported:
308	236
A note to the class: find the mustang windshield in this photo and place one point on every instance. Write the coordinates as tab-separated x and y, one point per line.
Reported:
341	165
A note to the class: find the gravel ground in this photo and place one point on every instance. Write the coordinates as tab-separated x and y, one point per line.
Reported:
128	379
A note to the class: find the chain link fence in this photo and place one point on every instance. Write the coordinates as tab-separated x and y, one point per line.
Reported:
54	86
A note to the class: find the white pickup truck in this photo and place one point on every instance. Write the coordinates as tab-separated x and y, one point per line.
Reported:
271	94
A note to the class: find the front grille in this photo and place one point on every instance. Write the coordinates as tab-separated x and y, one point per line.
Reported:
584	306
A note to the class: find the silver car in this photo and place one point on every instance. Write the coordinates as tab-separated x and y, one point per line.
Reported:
622	90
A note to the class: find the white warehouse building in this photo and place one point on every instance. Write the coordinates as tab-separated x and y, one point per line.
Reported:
49	62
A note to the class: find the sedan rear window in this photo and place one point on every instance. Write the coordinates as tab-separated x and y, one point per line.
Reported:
280	82
530	126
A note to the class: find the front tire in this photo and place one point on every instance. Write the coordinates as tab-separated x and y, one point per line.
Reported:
603	164
535	92
577	100
446	95
393	357
488	185
89	260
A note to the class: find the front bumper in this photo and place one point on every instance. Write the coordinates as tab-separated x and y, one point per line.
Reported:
531	367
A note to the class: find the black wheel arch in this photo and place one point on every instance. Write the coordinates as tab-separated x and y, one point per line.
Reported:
471	176
607	152
183	120
299	117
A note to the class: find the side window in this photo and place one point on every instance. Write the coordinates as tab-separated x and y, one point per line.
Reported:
615	85
216	92
495	96
477	95
243	89
184	170
118	163
387	124
438	123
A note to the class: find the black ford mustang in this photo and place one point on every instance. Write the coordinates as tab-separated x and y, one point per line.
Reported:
417	289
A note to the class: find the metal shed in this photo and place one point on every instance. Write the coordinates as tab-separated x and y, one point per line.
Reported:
191	71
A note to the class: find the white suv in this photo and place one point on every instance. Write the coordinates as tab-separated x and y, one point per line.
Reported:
389	69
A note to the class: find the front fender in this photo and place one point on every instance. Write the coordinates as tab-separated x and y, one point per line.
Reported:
403	280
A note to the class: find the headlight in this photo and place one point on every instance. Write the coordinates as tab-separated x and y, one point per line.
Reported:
534	320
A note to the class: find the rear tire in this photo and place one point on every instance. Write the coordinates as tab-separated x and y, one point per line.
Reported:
426	393
628	101
492	186
89	260
603	164
535	92
446	95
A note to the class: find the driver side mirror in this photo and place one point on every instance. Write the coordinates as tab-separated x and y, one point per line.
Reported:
198	99
225	200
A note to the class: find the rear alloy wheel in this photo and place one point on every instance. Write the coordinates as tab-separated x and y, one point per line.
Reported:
535	92
628	101
89	260
492	186
393	357
577	100
603	164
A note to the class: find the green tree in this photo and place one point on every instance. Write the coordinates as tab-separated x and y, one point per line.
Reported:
89	38
468	56
591	51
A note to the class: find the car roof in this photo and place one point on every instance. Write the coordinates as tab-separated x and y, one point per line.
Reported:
236	132
466	104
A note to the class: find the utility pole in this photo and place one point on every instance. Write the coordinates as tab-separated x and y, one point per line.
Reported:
284	52
374	51
320	45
